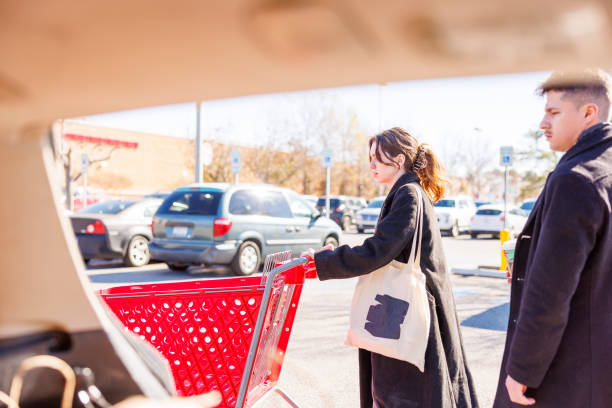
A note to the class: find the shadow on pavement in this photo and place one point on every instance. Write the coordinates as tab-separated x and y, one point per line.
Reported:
495	318
151	276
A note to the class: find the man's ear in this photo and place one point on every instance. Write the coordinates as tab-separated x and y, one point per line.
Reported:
591	112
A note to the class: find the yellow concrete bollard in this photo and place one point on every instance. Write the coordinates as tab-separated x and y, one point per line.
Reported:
504	235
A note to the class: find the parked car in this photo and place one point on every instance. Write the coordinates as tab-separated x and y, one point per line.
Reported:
158	194
454	214
236	225
311	199
118	229
342	209
368	217
489	219
526	206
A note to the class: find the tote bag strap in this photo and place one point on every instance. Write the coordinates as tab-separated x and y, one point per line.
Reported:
415	251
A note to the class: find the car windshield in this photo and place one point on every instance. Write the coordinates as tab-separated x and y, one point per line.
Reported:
199	202
376	204
445	203
108	207
333	202
527	205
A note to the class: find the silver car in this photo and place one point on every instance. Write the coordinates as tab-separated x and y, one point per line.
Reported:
237	225
118	229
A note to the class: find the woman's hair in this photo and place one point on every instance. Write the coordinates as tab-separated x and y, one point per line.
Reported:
420	159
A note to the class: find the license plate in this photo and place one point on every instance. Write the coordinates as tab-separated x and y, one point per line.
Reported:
179	231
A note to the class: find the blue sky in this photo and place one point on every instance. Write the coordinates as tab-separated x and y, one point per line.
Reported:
493	110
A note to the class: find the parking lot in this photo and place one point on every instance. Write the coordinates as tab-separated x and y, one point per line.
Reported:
319	370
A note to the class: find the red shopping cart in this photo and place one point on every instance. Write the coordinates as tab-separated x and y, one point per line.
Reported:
223	334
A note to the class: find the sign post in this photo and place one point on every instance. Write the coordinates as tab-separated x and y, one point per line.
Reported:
235	163
326	162
506	156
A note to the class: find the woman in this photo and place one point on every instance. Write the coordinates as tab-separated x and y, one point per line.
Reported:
400	162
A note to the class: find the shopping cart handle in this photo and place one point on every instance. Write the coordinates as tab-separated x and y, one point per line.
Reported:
310	269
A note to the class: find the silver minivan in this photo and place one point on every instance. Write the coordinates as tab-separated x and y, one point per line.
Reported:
237	225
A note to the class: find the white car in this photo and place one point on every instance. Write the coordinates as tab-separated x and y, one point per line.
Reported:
454	214
527	206
368	217
489	219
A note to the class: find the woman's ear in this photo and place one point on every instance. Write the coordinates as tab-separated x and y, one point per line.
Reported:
400	159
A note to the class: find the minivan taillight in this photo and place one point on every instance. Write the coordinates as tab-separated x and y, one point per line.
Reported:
95	228
221	226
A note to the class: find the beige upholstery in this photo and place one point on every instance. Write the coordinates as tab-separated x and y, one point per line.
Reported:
68	58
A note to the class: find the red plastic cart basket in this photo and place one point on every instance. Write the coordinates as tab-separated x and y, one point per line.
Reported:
223	334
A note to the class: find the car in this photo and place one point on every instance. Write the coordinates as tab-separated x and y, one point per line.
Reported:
526	206
117	229
158	194
311	199
454	214
489	219
368	217
236	225
342	208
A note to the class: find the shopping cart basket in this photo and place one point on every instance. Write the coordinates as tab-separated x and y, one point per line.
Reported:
220	334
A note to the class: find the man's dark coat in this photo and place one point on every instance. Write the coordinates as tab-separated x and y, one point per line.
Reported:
446	381
559	340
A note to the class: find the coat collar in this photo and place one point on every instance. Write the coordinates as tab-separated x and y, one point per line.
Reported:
408	177
588	138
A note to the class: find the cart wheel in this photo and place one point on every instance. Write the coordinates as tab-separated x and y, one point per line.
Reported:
137	253
331	241
177	267
247	260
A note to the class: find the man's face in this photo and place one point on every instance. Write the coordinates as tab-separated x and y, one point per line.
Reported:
562	122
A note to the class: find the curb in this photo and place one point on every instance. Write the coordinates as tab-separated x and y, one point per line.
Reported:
488	273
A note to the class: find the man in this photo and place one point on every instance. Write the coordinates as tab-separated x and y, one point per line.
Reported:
559	342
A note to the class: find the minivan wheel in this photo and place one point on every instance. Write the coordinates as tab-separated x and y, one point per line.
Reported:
247	259
137	253
331	241
177	267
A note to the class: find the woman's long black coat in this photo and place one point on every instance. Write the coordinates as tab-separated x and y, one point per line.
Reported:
559	340
446	381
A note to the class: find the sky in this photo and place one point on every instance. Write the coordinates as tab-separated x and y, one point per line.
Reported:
489	111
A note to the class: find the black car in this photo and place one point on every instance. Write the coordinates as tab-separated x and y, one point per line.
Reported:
119	229
342	209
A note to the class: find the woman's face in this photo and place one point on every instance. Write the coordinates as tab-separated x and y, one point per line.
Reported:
385	172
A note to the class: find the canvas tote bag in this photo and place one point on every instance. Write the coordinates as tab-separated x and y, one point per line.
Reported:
390	310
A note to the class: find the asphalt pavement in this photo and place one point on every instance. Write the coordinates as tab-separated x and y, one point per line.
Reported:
319	370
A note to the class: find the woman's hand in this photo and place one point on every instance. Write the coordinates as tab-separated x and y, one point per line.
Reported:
309	253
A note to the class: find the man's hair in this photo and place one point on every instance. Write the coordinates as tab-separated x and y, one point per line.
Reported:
587	86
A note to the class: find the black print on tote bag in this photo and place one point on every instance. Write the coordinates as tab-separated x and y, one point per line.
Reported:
385	318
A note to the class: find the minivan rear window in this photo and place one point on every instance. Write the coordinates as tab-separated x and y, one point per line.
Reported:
191	202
